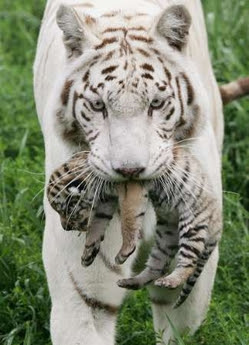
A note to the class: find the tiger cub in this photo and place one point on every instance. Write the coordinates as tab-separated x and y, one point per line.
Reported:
72	194
187	190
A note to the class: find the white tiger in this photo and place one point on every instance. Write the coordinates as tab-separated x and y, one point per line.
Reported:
108	92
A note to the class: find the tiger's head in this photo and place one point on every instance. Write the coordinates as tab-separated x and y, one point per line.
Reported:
131	93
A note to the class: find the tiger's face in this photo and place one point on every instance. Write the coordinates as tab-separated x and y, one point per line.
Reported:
129	95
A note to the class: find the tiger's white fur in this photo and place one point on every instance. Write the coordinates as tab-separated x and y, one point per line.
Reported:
85	301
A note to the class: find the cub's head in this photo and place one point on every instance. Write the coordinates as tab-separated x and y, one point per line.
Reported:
130	94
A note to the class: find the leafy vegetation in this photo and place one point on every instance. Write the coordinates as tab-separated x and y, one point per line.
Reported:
24	299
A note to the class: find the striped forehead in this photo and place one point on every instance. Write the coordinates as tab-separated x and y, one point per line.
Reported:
128	59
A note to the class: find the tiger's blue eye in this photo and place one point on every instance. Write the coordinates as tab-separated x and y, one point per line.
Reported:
98	105
157	103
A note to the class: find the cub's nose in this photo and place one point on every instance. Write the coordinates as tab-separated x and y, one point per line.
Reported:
130	172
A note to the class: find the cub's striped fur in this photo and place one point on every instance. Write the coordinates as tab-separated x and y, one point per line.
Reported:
73	195
185	188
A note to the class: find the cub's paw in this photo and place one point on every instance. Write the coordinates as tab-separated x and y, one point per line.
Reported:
170	282
92	248
123	255
90	253
130	283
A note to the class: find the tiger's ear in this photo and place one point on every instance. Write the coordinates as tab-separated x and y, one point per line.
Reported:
76	33
174	25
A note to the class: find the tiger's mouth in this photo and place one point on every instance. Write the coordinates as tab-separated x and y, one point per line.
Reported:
119	171
144	179
141	175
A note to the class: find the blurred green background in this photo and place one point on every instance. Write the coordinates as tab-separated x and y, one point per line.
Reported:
24	299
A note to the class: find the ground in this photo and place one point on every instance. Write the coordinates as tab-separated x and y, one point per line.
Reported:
24	299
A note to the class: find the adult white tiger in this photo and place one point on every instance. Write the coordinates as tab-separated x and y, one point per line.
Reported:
110	88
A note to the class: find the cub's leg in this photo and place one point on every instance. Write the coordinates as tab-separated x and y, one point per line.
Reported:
191	281
162	253
133	201
192	239
189	316
96	231
199	233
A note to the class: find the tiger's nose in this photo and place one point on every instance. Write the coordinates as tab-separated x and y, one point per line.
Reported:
130	172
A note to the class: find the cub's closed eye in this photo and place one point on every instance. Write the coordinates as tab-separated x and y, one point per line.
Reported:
98	105
157	103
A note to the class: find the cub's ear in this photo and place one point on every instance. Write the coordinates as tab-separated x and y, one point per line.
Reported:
76	30
174	25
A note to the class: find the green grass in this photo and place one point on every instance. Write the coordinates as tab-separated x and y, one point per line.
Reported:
24	299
